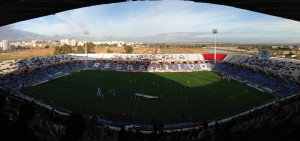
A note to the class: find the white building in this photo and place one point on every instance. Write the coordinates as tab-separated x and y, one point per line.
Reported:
1	46
73	42
65	41
81	43
119	45
62	41
5	45
34	41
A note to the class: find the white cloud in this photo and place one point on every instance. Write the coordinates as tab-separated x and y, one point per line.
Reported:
145	19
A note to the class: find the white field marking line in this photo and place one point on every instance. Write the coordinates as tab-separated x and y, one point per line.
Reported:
136	105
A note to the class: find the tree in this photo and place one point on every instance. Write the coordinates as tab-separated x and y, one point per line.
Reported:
128	49
90	48
65	49
80	49
290	54
109	50
58	50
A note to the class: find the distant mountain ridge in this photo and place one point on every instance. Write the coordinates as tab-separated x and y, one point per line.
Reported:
11	34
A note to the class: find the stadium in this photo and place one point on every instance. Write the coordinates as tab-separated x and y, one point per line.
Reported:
152	96
152	91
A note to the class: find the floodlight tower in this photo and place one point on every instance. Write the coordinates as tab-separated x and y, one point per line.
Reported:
215	32
85	32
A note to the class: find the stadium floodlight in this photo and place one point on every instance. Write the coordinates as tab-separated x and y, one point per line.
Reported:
86	32
215	32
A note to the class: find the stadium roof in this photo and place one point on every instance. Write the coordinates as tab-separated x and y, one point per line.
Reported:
12	11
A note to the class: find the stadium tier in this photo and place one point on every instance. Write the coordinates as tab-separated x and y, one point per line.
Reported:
276	76
219	57
147	57
153	67
174	61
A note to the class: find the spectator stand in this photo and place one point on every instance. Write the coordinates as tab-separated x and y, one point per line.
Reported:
210	57
181	57
64	64
119	67
270	83
227	58
191	66
193	57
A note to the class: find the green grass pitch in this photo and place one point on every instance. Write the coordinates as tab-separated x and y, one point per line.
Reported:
182	95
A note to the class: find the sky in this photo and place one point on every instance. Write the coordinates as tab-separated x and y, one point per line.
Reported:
165	21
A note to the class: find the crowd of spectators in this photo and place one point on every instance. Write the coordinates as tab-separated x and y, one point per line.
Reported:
143	66
270	82
151	57
285	67
13	81
7	67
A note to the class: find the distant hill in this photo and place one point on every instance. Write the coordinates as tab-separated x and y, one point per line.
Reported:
11	34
